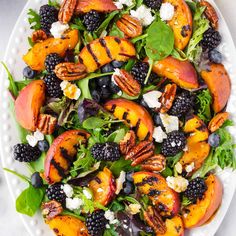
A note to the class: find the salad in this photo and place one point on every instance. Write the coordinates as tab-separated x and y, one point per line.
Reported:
122	116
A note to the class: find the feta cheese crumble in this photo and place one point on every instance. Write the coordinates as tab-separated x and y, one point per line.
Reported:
178	183
70	90
171	123
73	203
57	29
120	3
159	135
87	194
143	14
134	208
189	168
152	99
34	138
116	73
110	216
167	11
178	168
68	190
119	182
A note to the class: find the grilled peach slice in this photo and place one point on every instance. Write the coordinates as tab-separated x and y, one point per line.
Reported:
134	115
197	146
62	153
180	72
104	50
28	104
181	23
36	56
84	6
67	225
218	82
155	186
198	214
105	182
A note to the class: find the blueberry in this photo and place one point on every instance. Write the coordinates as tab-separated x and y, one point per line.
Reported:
29	73
128	187
103	81
129	176
114	88
157	120
105	92
36	180
96	96
215	56
117	64
107	68
214	140
43	145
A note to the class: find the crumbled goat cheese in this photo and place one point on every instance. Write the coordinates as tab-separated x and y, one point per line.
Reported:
171	123
144	15
119	4
110	216
189	168
87	194
119	93
116	73
152	99
73	203
34	138
167	11
100	190
178	183
119	182
68	190
57	29
159	135
70	90
178	167
134	208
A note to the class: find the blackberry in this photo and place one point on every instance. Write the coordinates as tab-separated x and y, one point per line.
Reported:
53	86
183	103
96	223
153	4
48	15
139	71
25	153
173	144
51	61
195	190
108	151
211	39
55	192
92	20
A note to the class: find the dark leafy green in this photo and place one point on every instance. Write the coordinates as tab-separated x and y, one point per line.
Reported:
34	19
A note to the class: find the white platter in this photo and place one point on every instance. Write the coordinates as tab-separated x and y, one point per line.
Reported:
17	46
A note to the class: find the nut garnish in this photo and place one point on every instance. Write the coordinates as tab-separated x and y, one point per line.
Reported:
140	152
130	26
217	121
39	36
154	163
154	220
46	123
168	97
210	13
70	71
127	142
66	11
51	209
127	83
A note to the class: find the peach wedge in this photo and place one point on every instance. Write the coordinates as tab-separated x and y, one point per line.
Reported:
28	104
134	116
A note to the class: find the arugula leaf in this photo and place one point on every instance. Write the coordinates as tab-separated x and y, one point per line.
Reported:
77	24
54	3
116	206
171	161
160	41
116	136
115	31
121	164
110	232
96	122
185	201
29	201
34	19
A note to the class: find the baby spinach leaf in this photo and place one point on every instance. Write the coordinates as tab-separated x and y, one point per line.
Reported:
34	19
160	41
93	123
116	136
120	165
116	206
22	177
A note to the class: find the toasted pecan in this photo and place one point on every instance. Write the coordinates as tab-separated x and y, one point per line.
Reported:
154	163
46	123
128	142
51	209
66	11
39	36
168	97
217	121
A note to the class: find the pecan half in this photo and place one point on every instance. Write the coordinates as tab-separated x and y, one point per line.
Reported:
130	26
39	36
217	121
168	97
70	71
154	163
127	83
127	142
210	13
66	11
46	123
154	220
51	209
140	152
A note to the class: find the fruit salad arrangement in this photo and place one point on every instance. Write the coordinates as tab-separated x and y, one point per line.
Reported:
122	117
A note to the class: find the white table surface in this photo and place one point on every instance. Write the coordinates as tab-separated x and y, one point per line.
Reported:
10	222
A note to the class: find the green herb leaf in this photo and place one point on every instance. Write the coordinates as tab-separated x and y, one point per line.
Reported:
34	19
22	177
93	123
54	3
116	206
116	136
160	41
115	31
120	165
171	161
78	24
185	201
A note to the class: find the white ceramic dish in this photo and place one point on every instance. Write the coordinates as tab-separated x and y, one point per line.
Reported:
17	46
